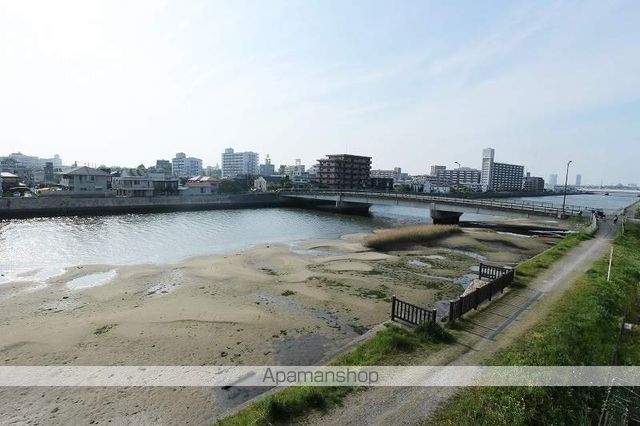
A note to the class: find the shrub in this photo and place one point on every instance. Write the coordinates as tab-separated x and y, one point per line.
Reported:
410	234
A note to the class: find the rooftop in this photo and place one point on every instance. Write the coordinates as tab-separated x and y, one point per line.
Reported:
86	171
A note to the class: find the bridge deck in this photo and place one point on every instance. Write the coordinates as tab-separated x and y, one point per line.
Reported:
434	202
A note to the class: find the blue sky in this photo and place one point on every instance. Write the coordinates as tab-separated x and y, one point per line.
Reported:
411	83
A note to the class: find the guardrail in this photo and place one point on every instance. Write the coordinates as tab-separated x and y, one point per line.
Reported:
520	205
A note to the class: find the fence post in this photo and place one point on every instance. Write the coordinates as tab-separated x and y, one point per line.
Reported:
451	318
434	315
610	261
460	303
480	271
393	307
490	290
477	296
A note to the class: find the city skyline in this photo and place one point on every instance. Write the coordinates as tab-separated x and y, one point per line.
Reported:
409	84
428	170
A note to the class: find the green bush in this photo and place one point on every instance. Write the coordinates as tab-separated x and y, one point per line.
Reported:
434	332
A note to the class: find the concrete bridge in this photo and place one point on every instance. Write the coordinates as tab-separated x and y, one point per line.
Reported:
444	210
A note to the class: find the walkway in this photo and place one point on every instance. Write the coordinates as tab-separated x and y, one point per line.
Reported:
491	329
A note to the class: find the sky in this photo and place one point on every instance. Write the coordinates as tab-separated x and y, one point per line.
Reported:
409	83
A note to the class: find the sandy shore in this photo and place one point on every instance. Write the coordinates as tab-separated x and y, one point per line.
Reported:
272	304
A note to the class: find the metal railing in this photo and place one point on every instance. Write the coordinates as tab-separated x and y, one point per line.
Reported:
496	204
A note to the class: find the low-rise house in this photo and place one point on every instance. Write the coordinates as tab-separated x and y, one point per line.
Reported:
260	184
202	185
7	182
132	183
164	184
85	181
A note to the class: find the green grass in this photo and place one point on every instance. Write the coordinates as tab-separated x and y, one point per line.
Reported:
385	348
581	329
530	269
390	238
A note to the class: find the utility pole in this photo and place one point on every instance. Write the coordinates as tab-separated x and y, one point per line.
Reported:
566	181
458	177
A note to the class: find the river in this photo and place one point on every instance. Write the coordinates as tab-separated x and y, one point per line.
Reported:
45	246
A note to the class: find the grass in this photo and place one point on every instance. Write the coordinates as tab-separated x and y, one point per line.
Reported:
385	348
388	347
377	293
581	329
387	239
530	269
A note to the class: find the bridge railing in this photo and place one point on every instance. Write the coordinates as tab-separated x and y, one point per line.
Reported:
522	205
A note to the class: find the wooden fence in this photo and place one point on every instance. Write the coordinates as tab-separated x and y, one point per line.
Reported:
491	272
457	308
409	313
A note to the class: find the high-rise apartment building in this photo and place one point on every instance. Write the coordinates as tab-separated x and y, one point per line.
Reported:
183	166
499	176
239	163
395	174
459	176
344	171
578	180
435	170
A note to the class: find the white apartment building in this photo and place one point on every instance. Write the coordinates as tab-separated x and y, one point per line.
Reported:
239	163
183	166
499	176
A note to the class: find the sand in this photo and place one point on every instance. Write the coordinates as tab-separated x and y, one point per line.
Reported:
271	304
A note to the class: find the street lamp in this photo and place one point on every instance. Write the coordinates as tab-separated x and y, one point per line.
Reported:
566	180
458	176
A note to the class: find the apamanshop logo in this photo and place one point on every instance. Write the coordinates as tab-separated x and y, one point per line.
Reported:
347	376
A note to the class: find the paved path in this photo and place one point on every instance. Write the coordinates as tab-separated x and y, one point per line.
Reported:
494	327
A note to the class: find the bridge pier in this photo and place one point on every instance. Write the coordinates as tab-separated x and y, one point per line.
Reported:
352	208
443	217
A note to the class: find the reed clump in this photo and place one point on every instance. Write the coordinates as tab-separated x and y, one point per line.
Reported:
410	234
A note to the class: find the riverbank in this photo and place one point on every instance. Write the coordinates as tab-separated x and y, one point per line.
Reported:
585	327
20	207
272	304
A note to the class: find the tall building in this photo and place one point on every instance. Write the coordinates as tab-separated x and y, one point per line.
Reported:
553	182
459	176
435	170
578	180
499	176
533	184
184	166
239	163
487	163
296	170
395	174
344	171
267	169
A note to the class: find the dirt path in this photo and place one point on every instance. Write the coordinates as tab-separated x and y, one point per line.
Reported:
492	328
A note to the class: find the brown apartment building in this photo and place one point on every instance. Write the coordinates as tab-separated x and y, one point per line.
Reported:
344	171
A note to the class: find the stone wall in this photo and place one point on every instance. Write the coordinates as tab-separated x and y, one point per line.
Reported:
70	206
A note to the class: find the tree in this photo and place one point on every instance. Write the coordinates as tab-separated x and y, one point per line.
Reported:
228	186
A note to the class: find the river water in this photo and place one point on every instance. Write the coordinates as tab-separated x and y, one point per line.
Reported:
49	245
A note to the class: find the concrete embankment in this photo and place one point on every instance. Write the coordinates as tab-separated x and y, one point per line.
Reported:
71	206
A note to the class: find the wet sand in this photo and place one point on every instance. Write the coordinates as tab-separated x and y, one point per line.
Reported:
272	304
